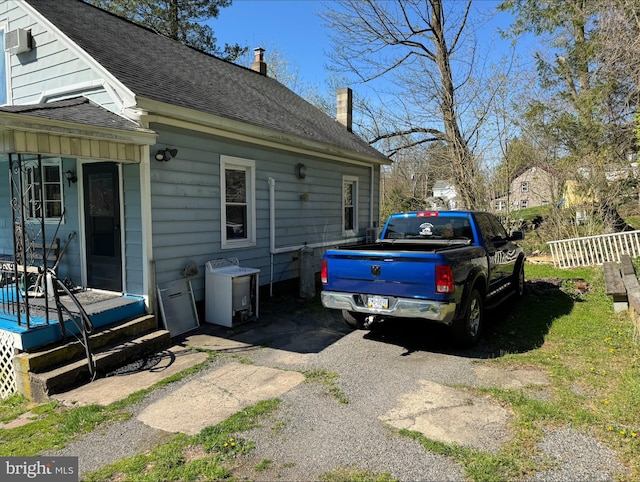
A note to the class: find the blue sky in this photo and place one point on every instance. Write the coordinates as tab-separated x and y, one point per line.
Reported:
291	25
295	29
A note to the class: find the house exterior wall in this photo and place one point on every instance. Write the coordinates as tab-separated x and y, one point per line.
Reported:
185	192
541	189
186	203
57	72
133	235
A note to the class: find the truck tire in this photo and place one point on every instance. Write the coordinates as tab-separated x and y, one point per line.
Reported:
467	329
354	319
518	279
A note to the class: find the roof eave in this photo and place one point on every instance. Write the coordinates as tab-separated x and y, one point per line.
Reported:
22	133
160	112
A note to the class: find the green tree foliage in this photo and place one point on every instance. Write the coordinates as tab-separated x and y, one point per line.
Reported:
181	20
584	107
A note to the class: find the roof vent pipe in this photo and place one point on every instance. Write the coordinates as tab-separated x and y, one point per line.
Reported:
259	65
345	108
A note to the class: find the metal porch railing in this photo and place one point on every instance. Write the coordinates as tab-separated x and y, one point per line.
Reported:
594	250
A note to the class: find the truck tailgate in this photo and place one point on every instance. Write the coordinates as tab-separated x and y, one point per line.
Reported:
382	273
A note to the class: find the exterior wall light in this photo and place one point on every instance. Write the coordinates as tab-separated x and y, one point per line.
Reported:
301	171
71	177
166	154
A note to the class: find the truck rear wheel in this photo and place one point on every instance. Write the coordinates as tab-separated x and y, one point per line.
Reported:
468	328
354	319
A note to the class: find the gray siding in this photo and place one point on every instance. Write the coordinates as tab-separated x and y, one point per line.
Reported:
133	229
56	68
186	206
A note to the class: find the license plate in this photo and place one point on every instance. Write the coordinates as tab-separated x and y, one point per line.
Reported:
377	302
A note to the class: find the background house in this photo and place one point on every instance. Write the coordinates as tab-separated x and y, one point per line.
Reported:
446	193
530	186
148	156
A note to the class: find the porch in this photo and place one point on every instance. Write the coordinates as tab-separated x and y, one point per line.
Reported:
43	326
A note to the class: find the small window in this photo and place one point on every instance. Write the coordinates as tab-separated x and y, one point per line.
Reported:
43	188
500	205
350	205
237	194
524	186
524	204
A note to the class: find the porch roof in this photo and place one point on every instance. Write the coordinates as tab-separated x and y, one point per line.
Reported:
73	127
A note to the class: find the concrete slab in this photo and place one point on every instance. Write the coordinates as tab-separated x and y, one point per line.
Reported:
216	343
211	398
104	391
23	419
452	416
498	377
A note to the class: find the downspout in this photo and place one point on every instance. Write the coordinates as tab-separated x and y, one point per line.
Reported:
272	229
371	199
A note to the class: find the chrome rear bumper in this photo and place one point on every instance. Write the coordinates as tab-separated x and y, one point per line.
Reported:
438	311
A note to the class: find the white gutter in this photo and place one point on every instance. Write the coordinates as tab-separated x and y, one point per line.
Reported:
289	249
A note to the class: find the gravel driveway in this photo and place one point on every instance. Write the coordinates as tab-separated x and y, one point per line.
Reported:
407	377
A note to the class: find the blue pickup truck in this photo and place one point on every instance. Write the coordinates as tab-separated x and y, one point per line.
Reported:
442	266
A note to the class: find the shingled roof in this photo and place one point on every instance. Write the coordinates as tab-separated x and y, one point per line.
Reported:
79	110
155	67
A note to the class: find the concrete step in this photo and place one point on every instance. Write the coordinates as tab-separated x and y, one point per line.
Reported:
48	358
61	368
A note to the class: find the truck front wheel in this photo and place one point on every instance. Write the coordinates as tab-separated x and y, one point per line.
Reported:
354	319
468	328
518	280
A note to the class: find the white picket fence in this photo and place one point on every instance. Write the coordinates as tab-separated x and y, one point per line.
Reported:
594	250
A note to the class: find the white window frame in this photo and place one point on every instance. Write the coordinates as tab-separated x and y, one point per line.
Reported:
249	167
524	186
57	162
354	181
524	203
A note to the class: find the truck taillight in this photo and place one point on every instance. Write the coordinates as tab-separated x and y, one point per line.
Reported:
324	272
444	279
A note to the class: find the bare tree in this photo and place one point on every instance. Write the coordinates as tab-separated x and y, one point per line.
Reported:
425	55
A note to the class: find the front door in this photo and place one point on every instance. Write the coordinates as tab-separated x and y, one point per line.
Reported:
102	226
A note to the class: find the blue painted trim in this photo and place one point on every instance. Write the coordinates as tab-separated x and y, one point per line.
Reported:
40	333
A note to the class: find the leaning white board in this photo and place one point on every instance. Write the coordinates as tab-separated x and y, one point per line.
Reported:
178	306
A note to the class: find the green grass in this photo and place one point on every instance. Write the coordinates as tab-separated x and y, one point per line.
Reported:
328	379
590	355
352	474
201	457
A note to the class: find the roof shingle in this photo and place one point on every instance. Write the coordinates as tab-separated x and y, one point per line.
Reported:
155	67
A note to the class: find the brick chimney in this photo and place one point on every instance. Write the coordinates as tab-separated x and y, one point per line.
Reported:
345	108
259	65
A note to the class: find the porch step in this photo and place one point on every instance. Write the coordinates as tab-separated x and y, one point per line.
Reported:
56	370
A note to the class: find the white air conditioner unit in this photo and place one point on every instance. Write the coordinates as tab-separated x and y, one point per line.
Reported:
17	41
